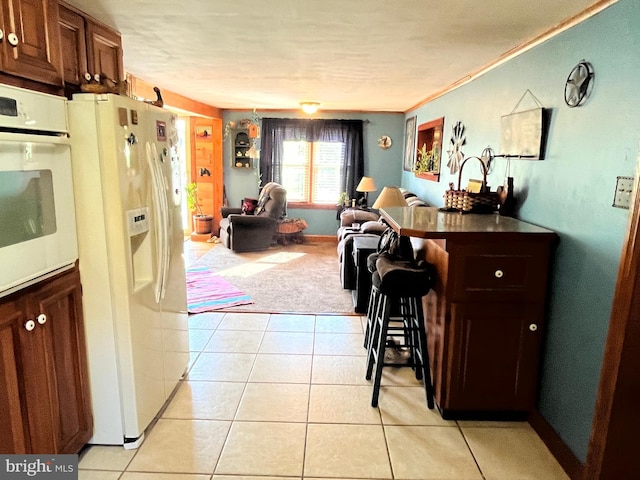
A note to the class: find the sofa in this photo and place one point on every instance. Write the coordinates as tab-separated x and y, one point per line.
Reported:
370	225
247	233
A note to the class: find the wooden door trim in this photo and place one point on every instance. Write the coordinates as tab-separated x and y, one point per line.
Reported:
612	452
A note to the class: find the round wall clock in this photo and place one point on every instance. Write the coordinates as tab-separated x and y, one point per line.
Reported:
384	142
579	84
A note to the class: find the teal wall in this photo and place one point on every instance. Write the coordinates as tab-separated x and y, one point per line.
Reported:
383	165
571	191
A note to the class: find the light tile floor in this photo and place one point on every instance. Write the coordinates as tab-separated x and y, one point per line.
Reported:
270	397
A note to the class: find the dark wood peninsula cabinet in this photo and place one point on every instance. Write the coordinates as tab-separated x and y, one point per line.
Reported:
485	314
44	392
30	43
89	48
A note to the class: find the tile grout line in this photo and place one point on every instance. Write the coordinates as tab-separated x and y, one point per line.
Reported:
306	427
470	450
244	389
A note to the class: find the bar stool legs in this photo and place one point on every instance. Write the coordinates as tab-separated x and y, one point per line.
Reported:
415	340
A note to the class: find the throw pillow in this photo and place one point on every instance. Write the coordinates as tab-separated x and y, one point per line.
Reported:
373	227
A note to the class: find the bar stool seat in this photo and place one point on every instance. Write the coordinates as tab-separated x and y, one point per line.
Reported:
401	283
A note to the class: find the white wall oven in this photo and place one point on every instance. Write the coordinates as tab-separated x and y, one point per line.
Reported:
37	215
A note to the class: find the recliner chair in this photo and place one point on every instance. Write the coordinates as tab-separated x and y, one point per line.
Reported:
248	233
370	226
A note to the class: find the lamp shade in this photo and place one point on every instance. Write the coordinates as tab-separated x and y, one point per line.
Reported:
366	185
390	197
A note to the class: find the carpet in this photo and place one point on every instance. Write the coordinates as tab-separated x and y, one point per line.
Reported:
206	292
283	279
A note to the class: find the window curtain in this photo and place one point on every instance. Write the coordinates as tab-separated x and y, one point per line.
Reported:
277	130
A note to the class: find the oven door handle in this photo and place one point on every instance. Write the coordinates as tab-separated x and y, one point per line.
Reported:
31	138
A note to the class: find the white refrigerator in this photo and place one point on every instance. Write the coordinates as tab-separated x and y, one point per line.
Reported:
126	174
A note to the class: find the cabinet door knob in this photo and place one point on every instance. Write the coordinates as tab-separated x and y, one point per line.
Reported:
533	327
30	325
13	39
1	35
42	319
499	273
87	76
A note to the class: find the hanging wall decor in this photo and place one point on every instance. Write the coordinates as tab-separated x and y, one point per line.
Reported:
457	141
579	84
384	142
523	133
409	144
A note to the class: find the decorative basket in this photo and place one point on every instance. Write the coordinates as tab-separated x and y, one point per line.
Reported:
468	202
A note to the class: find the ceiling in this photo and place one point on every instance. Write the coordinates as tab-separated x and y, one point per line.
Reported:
358	55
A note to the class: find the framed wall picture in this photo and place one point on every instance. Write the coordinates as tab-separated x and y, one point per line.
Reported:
203	132
409	144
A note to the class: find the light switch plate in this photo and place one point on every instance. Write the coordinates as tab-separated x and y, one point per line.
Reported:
624	188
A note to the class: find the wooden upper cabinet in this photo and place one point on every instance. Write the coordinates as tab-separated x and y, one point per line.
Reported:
30	44
74	47
88	48
104	51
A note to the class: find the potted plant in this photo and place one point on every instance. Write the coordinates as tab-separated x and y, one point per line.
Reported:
427	165
201	221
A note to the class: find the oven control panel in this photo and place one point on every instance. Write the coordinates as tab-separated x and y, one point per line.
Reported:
32	111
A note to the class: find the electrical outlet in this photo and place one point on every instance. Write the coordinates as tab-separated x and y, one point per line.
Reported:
624	188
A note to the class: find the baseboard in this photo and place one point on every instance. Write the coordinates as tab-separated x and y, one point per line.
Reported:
565	457
322	238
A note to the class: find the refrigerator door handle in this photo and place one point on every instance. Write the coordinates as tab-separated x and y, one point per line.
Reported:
164	207
158	223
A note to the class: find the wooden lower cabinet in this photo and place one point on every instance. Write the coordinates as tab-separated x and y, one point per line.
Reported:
12	414
485	318
43	369
495	350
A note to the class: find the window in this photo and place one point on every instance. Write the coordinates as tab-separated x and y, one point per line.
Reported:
311	171
314	160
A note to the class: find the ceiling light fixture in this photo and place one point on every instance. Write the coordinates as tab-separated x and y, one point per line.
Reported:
309	107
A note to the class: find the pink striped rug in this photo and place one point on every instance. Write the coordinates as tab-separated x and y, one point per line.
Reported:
207	291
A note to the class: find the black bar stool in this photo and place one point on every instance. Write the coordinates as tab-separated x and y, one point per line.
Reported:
402	283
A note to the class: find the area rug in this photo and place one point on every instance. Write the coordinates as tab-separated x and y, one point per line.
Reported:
206	292
297	278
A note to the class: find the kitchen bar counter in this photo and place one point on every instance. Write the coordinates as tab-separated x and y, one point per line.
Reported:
485	313
429	222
